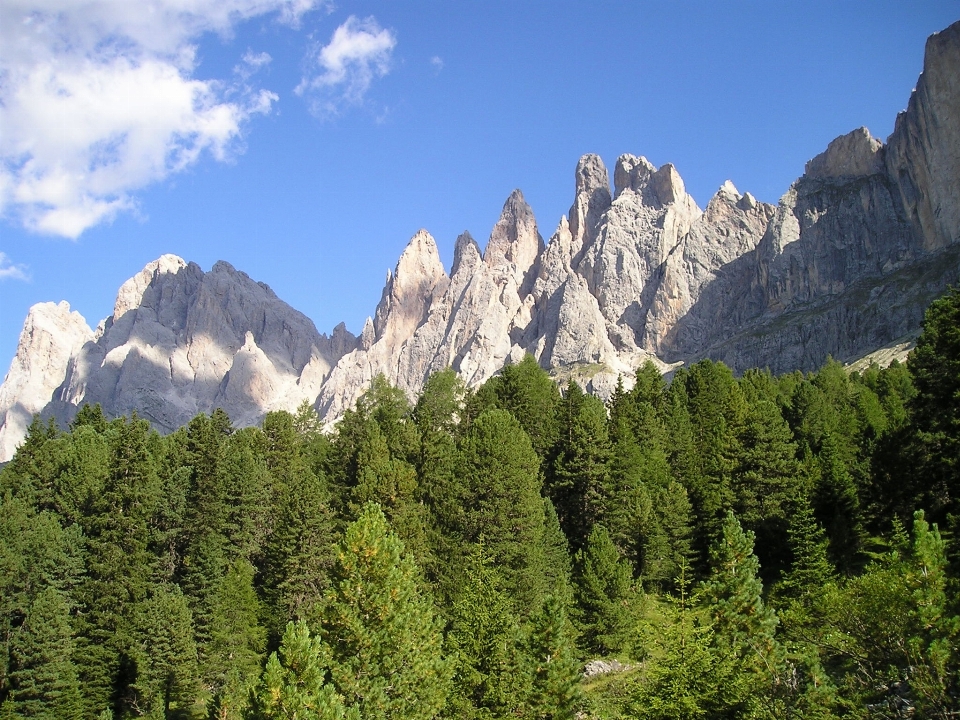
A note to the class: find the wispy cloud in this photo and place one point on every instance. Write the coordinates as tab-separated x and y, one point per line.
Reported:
99	99
437	63
11	271
342	71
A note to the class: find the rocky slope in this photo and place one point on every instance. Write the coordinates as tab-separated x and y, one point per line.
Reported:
843	265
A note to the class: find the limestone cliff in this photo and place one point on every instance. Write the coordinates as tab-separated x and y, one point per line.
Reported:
844	265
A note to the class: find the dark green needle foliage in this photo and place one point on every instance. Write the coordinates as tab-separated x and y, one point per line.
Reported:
517	532
604	593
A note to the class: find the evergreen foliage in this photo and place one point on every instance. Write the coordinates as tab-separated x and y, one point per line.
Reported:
604	591
462	556
385	640
294	685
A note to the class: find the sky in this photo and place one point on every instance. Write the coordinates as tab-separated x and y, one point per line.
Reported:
305	142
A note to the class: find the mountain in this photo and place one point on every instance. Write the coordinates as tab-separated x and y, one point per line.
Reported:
845	264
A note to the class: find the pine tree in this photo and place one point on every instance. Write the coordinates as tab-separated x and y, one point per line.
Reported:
665	537
502	503
164	655
237	642
604	592
490	678
385	639
294	684
43	680
555	674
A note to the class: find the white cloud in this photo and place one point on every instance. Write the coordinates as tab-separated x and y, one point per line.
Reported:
437	62
10	271
358	52
98	99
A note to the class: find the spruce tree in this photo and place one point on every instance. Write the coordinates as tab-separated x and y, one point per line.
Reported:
502	503
810	569
579	478
42	680
555	676
526	391
764	477
237	642
491	676
604	593
299	553
119	567
733	593
935	409
164	655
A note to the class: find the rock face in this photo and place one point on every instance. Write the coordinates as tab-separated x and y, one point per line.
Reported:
180	341
51	336
845	264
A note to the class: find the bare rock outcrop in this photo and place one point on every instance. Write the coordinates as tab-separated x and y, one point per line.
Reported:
180	341
844	264
52	335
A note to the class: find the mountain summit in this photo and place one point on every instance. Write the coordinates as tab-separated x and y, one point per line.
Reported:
845	264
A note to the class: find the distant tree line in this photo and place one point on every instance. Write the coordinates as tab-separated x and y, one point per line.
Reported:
752	547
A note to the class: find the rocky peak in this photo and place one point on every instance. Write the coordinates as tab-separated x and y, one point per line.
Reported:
668	185
591	199
631	173
52	335
410	289
130	295
923	153
855	154
466	254
514	241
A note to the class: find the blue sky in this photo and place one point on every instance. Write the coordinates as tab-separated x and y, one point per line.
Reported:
305	142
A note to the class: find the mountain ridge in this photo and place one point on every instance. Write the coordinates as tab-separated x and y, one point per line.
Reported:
843	265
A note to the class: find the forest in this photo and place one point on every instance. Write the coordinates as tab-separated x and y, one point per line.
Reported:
704	547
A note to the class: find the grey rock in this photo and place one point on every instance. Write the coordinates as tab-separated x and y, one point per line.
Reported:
844	265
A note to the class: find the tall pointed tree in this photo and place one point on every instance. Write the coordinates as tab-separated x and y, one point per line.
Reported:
386	643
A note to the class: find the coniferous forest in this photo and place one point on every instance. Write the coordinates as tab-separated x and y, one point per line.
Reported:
752	547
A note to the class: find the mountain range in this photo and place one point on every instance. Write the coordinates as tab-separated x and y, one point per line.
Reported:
843	265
